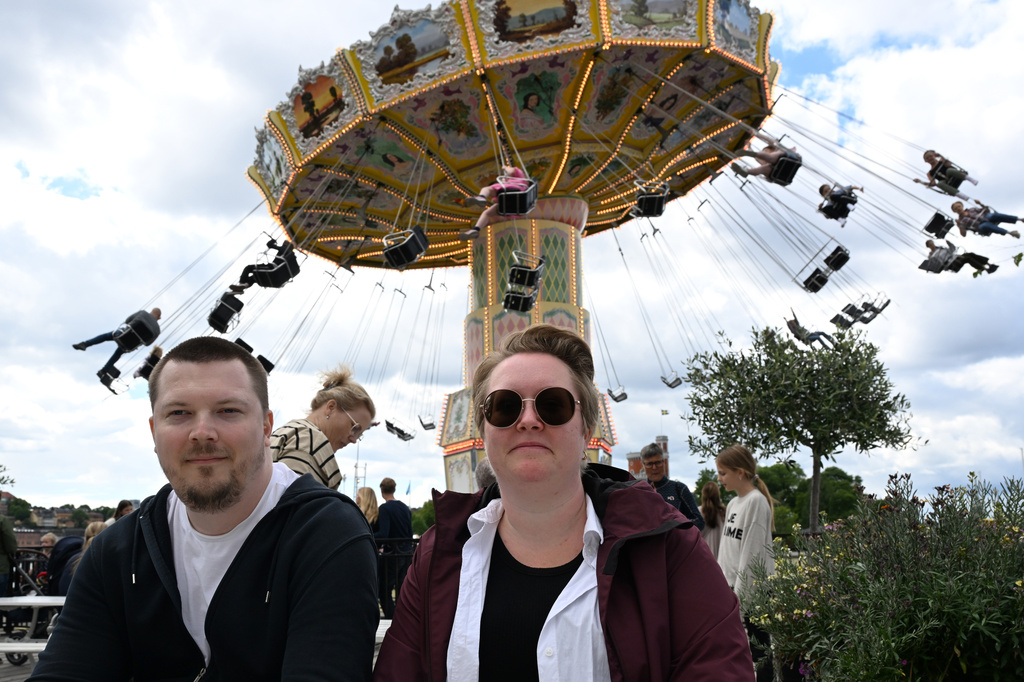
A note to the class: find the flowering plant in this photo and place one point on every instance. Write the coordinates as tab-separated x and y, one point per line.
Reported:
905	588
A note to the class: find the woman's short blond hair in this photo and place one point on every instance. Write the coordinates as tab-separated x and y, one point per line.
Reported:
346	392
557	342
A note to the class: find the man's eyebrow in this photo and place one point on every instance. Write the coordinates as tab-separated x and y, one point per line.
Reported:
234	400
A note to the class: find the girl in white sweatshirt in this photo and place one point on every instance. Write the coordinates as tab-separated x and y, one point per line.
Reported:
747	537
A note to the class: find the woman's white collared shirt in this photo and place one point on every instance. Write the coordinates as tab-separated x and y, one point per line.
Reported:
571	644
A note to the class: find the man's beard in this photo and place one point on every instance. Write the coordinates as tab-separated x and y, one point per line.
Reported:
204	498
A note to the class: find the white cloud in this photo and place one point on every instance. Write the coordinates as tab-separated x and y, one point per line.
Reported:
154	106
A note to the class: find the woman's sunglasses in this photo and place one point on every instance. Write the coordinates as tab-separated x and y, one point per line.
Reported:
555	406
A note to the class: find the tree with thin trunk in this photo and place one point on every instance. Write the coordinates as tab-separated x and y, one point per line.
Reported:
776	397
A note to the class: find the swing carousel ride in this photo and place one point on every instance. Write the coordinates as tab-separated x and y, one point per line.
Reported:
590	116
611	107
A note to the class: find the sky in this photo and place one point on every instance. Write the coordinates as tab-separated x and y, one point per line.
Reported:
126	129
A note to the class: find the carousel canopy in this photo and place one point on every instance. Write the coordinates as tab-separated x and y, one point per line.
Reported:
595	99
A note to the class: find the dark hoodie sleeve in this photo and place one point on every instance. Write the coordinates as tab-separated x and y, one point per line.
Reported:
333	611
88	644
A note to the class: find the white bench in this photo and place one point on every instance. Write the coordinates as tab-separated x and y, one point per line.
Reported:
30	602
23	647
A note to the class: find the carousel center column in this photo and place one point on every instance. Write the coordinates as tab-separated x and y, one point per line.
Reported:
552	231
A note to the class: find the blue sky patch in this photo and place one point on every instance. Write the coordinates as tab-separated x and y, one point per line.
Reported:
76	188
796	66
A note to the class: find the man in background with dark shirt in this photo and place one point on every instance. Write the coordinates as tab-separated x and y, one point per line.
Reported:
395	521
674	492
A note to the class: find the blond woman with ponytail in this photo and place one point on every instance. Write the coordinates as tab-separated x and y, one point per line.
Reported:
747	537
340	413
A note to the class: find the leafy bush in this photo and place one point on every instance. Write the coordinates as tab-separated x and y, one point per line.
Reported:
906	589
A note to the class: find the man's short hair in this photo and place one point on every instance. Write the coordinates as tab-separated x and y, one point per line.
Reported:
387	486
207	349
651	451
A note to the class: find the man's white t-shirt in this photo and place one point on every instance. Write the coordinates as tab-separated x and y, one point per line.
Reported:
200	561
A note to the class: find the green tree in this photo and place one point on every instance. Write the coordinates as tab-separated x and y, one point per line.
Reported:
640	8
5	480
19	510
775	398
423	518
80	518
784	480
840	493
703	477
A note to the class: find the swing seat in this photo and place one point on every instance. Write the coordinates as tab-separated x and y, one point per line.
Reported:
524	279
784	170
838	258
876	307
939	225
526	271
672	380
518	301
142	331
945	261
838	206
276	274
816	281
517	202
852	311
949	179
148	365
404	248
427	422
835	211
398	430
650	199
222	317
526	276
268	366
842	321
107	379
617	394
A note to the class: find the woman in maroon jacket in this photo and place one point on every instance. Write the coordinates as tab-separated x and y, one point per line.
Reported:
554	572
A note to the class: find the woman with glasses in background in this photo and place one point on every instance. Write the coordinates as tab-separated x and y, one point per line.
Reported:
341	412
558	572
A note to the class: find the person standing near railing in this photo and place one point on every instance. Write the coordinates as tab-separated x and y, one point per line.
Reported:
395	521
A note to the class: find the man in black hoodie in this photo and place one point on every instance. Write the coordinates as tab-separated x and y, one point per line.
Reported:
239	569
